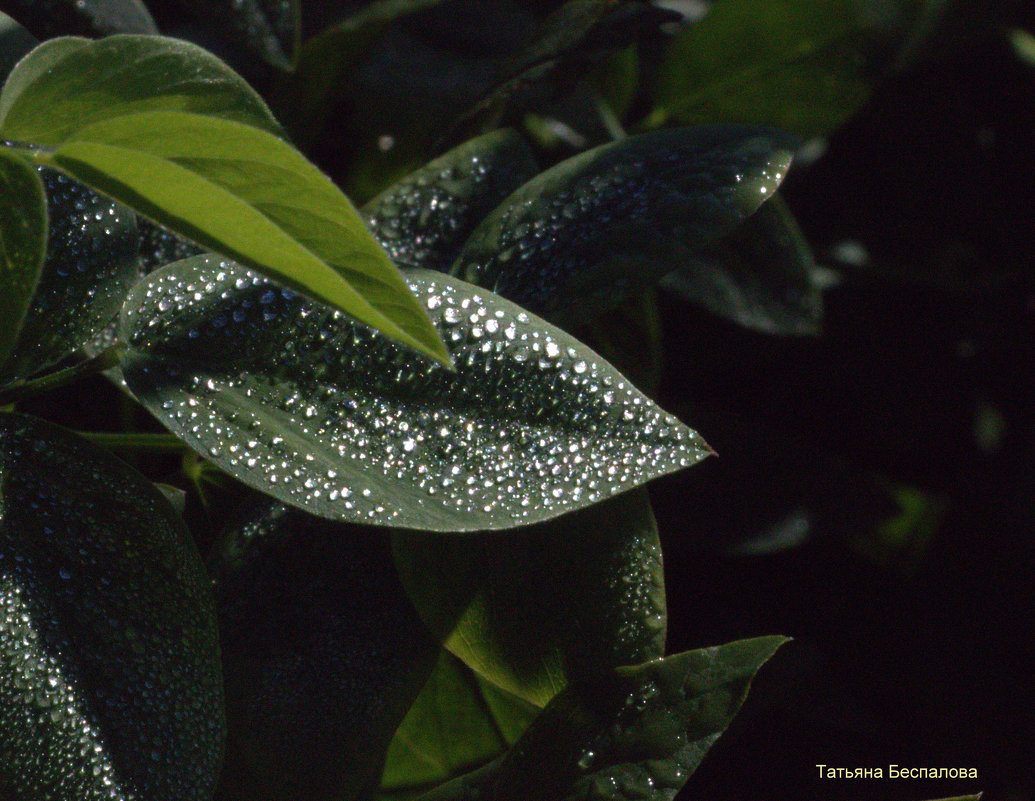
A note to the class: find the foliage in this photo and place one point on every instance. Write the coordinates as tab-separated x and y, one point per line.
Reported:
408	427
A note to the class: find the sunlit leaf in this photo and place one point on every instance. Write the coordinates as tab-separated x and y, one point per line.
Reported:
90	265
423	220
110	683
597	228
241	191
296	400
67	84
530	610
636	734
97	18
322	652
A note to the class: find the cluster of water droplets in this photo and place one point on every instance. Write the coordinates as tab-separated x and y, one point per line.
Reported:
323	413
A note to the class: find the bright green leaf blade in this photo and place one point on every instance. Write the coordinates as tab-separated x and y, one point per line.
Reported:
110	682
67	84
598	228
423	220
243	192
322	652
23	243
90	265
94	18
458	723
760	275
533	609
301	403
637	734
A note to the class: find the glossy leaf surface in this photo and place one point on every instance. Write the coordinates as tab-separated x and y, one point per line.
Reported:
90	265
592	231
110	683
23	244
423	220
637	734
531	610
458	722
296	400
94	18
322	651
760	275
241	191
67	84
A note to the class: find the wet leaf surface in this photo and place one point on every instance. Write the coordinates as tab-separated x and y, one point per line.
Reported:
110	684
298	401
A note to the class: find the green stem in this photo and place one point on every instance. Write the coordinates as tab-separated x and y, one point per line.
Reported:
59	378
135	441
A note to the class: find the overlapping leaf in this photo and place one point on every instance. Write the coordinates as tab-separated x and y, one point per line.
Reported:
267	28
110	682
533	609
423	220
322	652
296	400
95	18
595	229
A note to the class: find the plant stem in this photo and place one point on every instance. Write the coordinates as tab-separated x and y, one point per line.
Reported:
135	441
59	378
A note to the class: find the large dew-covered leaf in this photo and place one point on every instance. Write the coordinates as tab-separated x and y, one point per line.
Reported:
298	401
594	230
90	265
241	191
533	609
638	733
423	220
322	652
67	84
110	683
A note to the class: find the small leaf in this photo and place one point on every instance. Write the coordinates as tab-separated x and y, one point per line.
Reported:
243	192
294	399
94	18
90	265
458	723
637	734
269	29
530	610
110	684
23	243
322	652
599	227
423	220
68	84
760	275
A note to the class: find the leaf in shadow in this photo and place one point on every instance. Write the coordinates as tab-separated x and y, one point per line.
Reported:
322	653
299	402
598	228
268	29
110	682
94	18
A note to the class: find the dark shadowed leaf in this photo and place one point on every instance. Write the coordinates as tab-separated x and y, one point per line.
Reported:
241	191
95	18
15	42
269	29
23	243
423	220
533	609
322	652
298	401
636	734
110	683
160	246
458	723
90	265
67	84
597	228
760	275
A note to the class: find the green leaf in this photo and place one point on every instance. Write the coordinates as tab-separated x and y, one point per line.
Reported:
23	243
636	734
295	400
110	683
458	722
530	610
90	265
15	42
322	652
243	192
598	228
804	67
423	220
269	29
94	18
760	275
68	84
